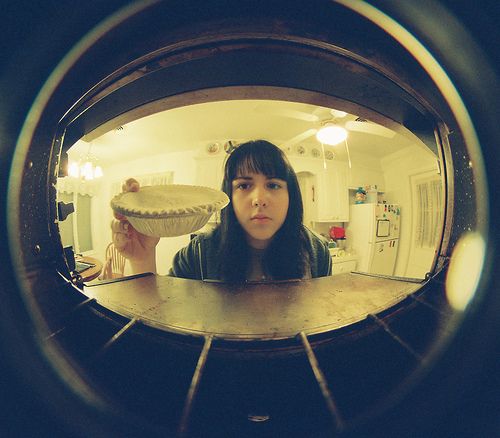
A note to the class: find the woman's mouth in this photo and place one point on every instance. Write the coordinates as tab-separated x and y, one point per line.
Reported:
260	218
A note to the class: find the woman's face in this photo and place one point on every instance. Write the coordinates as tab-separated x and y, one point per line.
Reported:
260	204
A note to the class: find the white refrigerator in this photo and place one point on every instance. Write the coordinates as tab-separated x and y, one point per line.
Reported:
373	235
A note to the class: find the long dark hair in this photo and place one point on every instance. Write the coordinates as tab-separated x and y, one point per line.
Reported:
286	256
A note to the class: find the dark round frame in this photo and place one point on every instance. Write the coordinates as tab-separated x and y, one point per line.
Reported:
31	148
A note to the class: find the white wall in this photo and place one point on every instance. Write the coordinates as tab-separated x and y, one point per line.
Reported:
366	170
398	168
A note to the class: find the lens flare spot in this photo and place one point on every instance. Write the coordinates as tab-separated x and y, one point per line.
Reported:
465	269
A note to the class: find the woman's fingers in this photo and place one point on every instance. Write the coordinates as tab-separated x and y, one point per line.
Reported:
121	241
120	233
130	185
119	216
120	226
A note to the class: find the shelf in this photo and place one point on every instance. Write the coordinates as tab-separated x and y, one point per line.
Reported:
356	188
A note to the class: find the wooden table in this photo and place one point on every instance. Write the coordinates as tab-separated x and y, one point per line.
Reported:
92	272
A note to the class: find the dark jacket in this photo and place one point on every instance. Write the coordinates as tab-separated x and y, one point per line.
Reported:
199	259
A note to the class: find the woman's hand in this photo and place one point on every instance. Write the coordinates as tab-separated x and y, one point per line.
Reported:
138	248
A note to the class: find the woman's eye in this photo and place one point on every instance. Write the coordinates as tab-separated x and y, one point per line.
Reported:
274	186
242	186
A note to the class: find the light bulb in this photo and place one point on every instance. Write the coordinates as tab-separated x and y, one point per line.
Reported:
98	172
331	134
87	171
73	169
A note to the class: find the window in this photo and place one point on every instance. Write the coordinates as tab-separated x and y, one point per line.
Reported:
76	229
429	213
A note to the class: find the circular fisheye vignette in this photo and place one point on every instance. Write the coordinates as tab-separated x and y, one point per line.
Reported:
28	129
470	134
471	247
68	377
469	255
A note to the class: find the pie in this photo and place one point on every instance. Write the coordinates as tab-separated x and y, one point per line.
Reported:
169	210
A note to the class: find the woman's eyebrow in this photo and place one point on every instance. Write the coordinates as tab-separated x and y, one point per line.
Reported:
276	177
243	177
251	177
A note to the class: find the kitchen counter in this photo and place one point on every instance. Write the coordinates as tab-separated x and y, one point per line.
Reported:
342	261
345	257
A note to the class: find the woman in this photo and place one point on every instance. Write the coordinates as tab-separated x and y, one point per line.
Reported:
261	235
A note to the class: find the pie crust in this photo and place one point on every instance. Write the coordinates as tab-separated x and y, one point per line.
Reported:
169	210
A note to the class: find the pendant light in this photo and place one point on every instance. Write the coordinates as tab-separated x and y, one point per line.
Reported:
331	134
86	168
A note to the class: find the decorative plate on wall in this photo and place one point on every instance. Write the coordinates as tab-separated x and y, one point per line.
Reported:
213	148
301	150
315	152
329	155
230	146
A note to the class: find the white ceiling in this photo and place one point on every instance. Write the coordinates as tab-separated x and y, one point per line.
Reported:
196	126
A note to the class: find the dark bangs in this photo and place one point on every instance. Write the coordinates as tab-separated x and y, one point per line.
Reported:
258	156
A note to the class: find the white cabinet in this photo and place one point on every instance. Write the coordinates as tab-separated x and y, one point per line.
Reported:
329	194
343	267
332	193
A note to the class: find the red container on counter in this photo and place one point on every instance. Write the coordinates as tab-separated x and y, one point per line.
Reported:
337	232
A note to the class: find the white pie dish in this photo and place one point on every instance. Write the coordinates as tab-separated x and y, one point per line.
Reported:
169	210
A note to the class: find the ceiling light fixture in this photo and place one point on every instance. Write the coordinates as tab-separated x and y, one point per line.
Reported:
86	168
331	134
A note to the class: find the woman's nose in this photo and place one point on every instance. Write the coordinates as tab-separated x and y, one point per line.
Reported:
259	198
